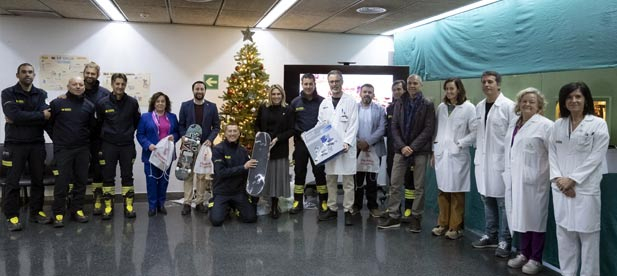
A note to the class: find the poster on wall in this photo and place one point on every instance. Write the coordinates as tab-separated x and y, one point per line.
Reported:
137	85
56	70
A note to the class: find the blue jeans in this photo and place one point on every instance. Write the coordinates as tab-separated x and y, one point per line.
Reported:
495	219
156	185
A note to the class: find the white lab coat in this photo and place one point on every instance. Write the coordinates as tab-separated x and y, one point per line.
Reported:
452	158
580	156
489	159
344	119
526	174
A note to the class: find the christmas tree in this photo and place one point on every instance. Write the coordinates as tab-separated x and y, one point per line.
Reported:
247	89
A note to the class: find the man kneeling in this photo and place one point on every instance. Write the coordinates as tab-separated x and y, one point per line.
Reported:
231	164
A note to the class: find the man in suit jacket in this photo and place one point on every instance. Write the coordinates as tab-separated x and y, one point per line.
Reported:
204	113
371	129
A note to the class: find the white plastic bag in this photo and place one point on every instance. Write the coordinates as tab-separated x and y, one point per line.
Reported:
368	161
203	163
163	155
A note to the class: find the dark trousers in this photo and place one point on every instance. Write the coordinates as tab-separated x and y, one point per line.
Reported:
222	203
72	164
370	187
156	185
15	158
532	245
301	158
96	155
112	154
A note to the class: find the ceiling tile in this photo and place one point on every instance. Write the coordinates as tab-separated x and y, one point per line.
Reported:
75	9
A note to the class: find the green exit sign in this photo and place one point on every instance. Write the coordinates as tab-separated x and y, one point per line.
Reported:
212	81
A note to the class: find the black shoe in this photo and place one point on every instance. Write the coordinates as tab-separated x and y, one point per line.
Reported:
201	208
13	224
275	213
297	207
58	221
162	210
186	209
40	217
389	223
415	225
348	218
327	215
80	217
151	212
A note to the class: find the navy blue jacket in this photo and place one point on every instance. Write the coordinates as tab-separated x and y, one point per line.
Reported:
210	123
148	133
118	119
72	119
306	112
25	109
229	172
95	94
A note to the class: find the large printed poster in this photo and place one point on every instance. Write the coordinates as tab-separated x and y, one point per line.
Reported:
138	86
56	70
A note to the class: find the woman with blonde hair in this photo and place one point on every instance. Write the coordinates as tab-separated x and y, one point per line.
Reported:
276	118
526	176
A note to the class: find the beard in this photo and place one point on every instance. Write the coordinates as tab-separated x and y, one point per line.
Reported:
199	96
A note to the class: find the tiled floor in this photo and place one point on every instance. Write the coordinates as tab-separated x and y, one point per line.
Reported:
291	245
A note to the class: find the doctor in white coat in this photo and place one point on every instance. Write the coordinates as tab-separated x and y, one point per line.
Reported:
452	161
493	115
577	156
526	177
340	110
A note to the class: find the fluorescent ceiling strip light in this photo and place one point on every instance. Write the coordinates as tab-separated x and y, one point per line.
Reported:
110	10
280	8
442	16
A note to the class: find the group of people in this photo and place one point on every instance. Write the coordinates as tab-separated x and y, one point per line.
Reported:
520	157
93	130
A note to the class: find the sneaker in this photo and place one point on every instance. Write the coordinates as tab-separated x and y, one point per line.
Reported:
327	215
389	223
484	242
355	210
415	225
80	217
58	221
518	261
186	209
532	267
296	207
40	217
13	224
376	213
439	230
454	234
503	250
348	218
201	208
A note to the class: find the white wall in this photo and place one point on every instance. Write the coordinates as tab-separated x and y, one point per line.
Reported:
174	55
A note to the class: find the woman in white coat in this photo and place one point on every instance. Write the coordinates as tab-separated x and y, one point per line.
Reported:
526	177
455	116
577	156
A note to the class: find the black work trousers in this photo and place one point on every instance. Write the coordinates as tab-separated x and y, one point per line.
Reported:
301	158
72	164
370	187
113	154
222	203
15	157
